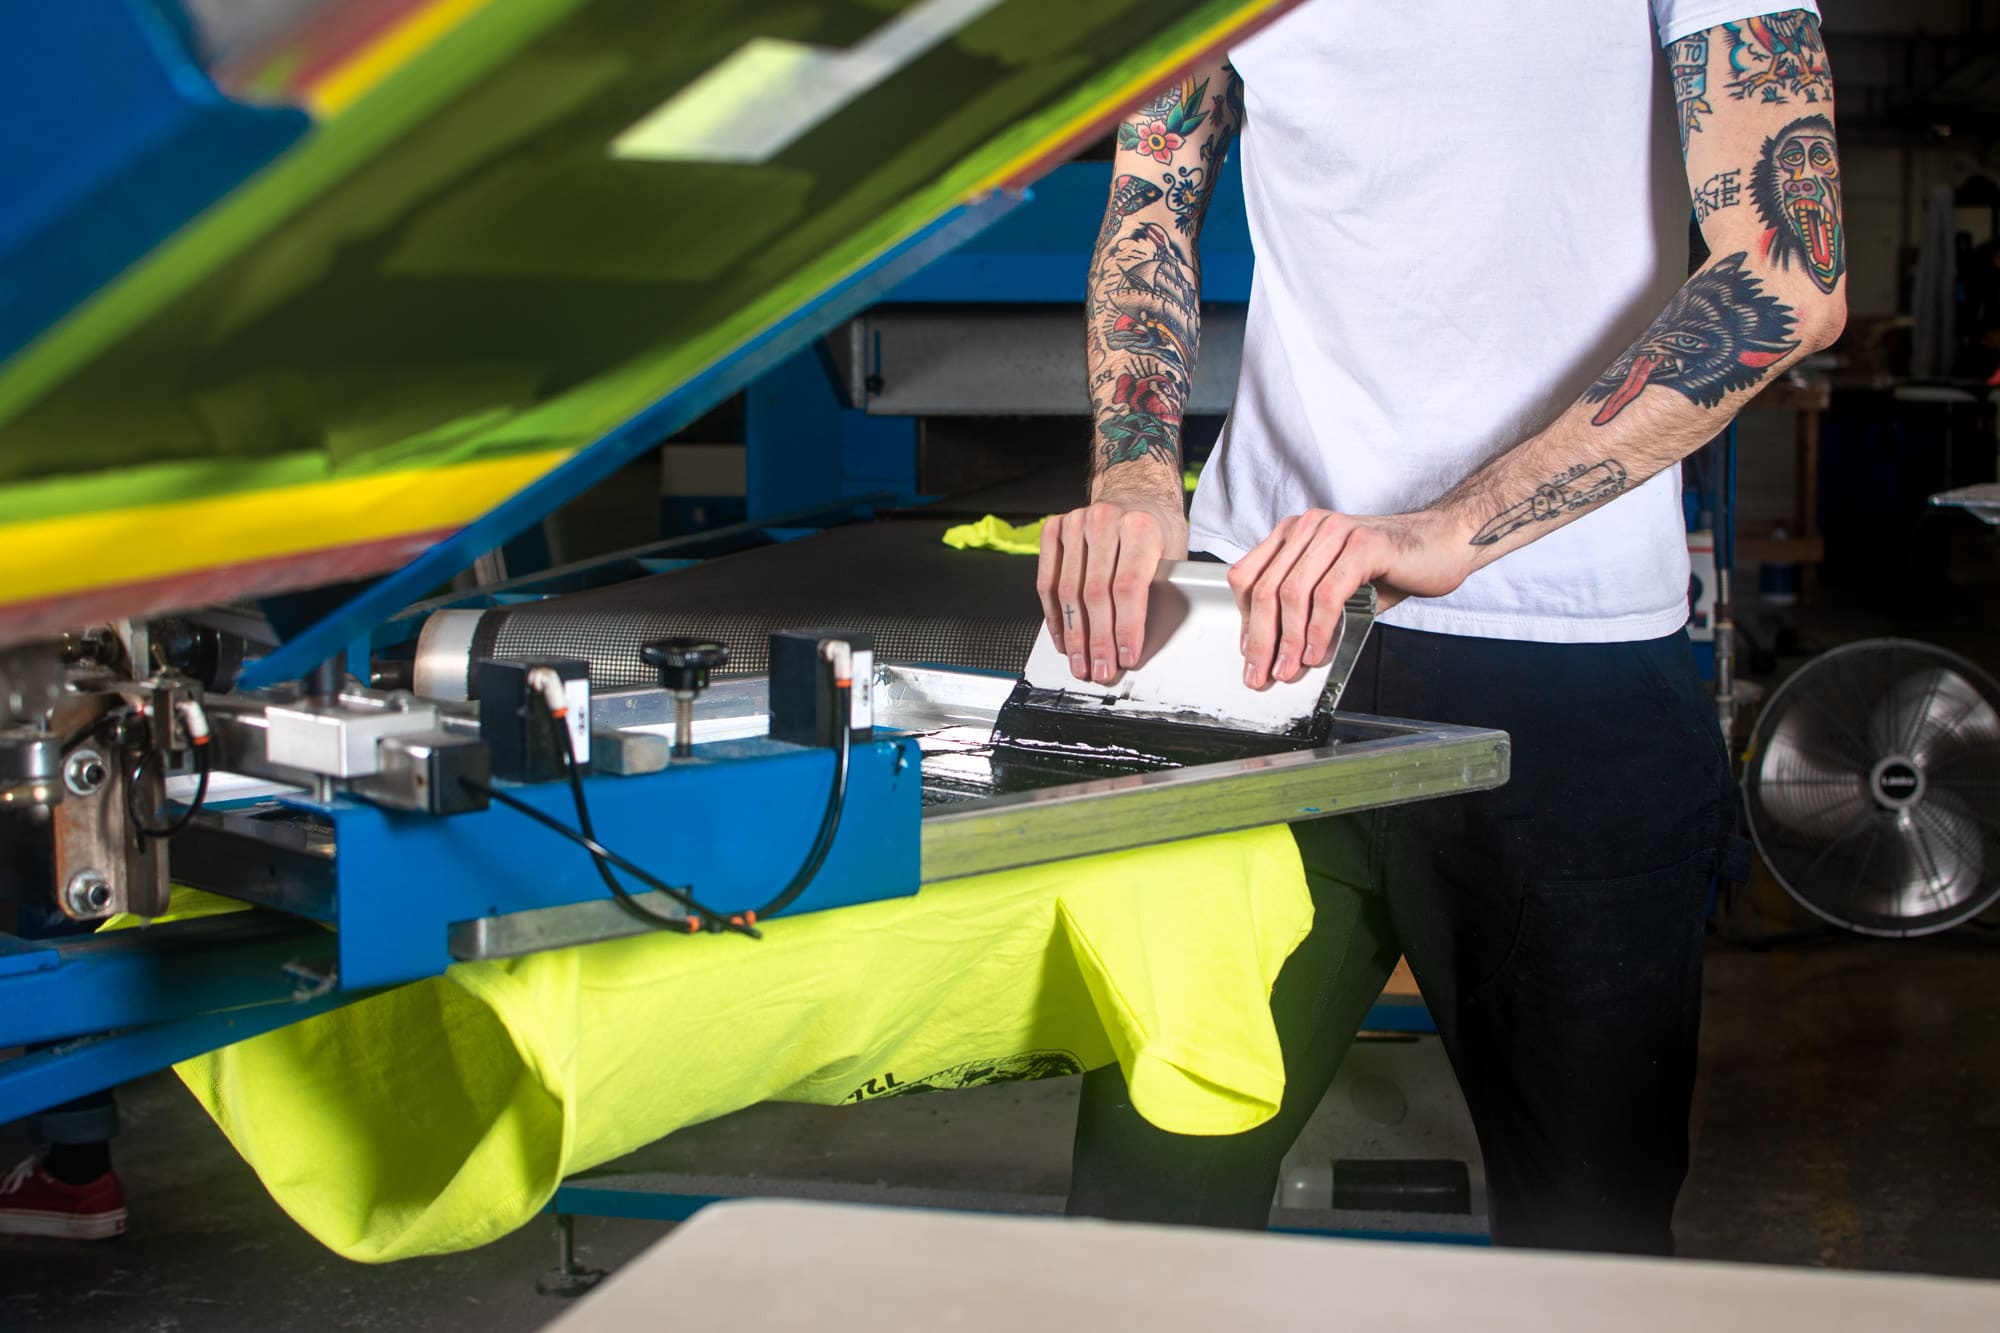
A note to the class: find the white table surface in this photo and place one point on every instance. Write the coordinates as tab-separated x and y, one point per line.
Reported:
762	1265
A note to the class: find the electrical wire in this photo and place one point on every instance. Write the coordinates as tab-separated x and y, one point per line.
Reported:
606	860
632	907
836	800
186	817
700	915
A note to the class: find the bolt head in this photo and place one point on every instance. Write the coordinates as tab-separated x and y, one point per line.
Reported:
87	894
85	773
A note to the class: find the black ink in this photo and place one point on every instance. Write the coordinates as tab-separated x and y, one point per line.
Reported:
1720	333
1722	190
1579	487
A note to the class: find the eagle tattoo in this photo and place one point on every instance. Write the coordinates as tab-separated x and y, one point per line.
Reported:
1796	186
1720	333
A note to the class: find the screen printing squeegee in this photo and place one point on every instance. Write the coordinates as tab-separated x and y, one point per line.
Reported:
1185	702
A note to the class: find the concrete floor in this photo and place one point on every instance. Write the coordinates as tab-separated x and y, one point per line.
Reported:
1848	1116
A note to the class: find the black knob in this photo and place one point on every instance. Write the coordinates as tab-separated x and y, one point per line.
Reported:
684	664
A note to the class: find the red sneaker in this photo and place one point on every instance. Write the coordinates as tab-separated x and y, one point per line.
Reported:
35	1203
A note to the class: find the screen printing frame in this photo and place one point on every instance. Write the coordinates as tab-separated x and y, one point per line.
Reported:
1372	762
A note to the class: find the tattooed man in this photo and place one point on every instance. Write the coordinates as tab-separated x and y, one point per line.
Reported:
1473	360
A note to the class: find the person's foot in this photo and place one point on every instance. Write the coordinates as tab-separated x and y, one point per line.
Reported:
35	1203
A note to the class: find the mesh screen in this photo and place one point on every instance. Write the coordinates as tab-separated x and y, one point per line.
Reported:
923	601
611	642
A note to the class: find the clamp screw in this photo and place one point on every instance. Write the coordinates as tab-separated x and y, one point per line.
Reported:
87	894
85	772
684	666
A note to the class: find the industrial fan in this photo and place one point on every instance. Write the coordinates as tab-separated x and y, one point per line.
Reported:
1873	787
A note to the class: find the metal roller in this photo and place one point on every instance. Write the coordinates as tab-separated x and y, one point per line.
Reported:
923	602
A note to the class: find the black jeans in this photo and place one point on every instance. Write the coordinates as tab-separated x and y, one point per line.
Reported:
1554	925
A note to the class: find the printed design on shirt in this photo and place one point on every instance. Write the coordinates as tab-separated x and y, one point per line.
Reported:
1778	58
1145	305
1796	186
1722	190
1022	1068
1689	60
1720	333
1572	489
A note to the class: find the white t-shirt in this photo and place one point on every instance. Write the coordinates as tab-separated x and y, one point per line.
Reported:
1462	213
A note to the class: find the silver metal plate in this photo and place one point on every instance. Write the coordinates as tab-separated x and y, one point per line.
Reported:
974	824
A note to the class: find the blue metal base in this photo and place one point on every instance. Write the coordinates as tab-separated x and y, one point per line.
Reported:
732	825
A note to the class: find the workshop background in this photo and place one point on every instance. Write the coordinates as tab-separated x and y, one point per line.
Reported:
1848	1113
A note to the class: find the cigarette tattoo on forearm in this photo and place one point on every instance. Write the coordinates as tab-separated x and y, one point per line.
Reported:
1576	488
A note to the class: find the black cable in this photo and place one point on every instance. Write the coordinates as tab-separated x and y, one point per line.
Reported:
836	800
599	851
632	907
186	816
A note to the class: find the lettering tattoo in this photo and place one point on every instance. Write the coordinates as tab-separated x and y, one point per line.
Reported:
1796	186
1575	488
1778	58
1720	333
1722	190
1689	60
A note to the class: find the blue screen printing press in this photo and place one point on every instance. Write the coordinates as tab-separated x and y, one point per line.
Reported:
399	778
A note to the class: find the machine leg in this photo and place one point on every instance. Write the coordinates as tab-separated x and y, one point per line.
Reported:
567	1278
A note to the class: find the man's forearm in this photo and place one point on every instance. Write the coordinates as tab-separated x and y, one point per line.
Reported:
1721	339
1764	172
1143	306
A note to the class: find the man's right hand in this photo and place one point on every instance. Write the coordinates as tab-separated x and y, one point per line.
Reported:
1096	571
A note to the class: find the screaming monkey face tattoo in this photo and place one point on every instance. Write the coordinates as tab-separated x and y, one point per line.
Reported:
1720	333
1796	185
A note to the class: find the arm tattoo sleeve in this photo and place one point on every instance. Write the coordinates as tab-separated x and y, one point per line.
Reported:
1143	308
1720	333
1579	487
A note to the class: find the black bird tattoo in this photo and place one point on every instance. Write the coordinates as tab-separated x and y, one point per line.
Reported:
1720	333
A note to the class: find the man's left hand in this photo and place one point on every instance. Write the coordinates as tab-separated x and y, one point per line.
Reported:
1292	587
